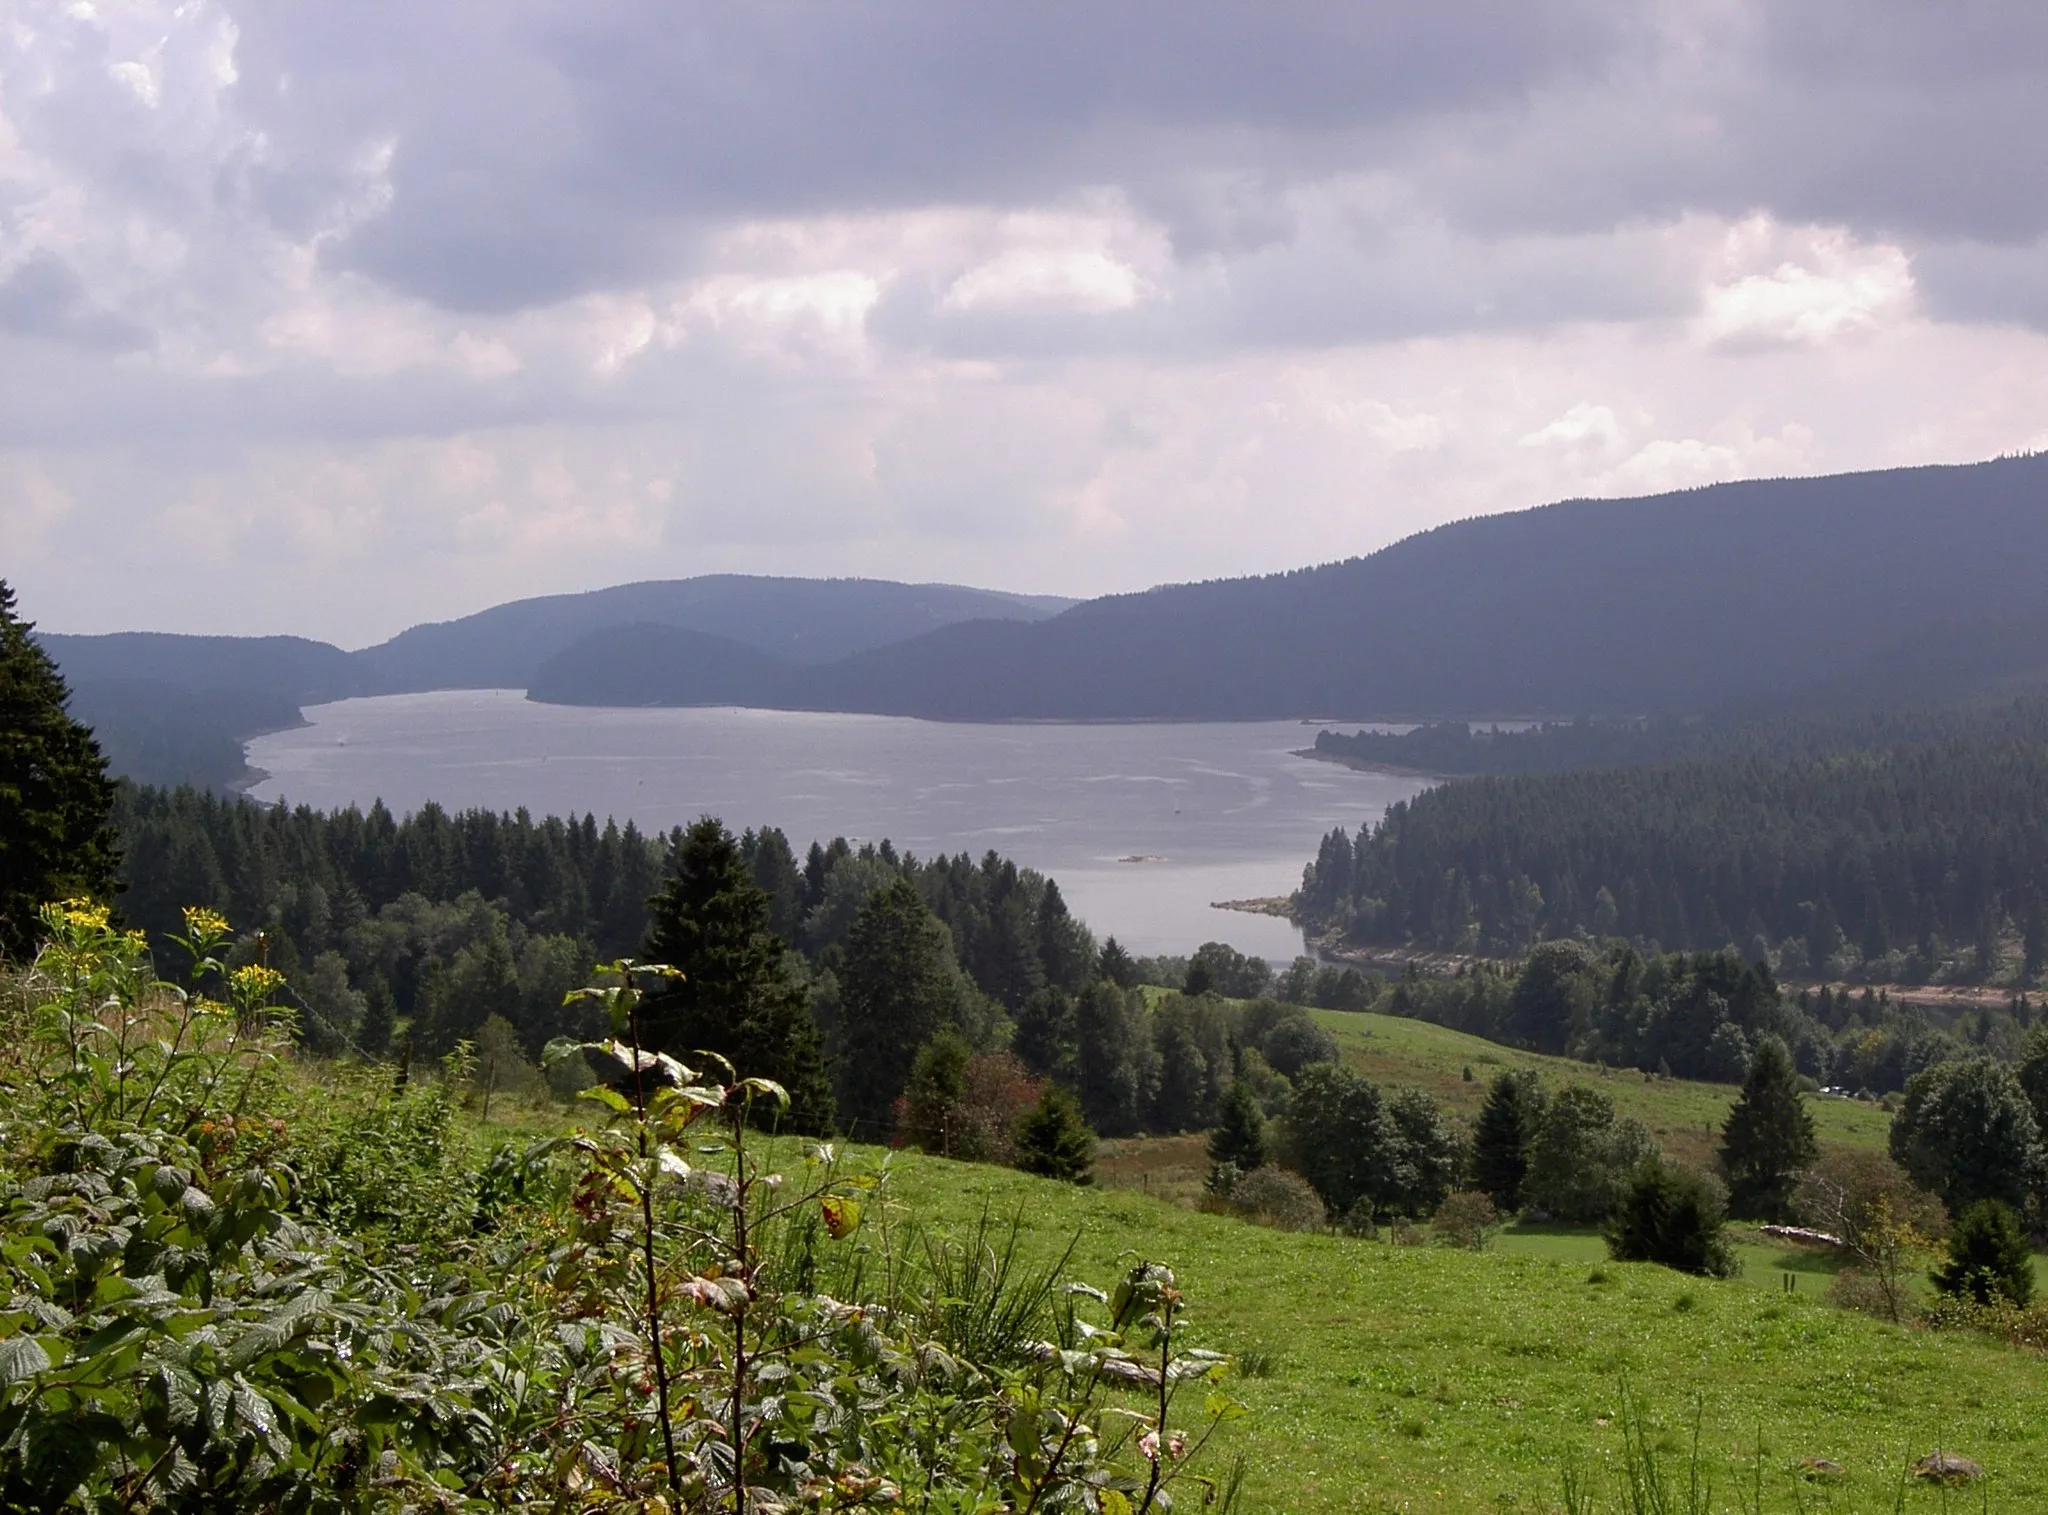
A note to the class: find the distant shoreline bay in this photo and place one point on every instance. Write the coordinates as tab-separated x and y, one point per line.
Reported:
1212	810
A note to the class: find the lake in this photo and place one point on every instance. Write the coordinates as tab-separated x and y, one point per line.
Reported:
1144	826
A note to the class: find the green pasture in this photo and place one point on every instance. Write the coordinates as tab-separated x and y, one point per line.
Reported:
1416	1378
1685	1116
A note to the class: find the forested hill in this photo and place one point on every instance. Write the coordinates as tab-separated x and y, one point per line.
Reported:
792	621
1899	863
1858	591
174	709
1464	747
1747	592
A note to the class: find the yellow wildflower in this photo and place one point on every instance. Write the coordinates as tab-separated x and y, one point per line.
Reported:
255	981
83	915
200	921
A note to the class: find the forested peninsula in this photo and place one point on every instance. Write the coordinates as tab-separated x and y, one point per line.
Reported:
1899	848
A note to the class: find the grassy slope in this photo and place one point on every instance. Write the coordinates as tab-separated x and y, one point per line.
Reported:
1420	1379
1686	1117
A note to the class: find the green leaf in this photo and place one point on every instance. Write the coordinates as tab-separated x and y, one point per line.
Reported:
610	1098
22	1357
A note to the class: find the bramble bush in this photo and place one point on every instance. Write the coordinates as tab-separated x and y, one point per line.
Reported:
231	1287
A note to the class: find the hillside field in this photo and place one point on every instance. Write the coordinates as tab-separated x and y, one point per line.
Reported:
1416	1378
1685	1116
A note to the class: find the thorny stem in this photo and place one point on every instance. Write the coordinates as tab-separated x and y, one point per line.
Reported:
739	1314
1059	1453
1160	1452
648	1168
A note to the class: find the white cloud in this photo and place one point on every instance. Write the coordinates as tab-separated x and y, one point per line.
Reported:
1834	288
1027	279
1584	425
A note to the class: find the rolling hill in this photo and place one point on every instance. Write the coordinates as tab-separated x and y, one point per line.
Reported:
793	621
1856	591
176	709
1749	593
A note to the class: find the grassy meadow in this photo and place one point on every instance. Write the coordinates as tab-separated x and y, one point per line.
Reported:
1685	1116
1417	1378
1390	1377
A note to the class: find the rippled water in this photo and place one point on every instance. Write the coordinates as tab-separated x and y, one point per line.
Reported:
1215	811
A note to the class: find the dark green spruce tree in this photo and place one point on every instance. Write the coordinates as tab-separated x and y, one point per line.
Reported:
1239	1137
736	997
898	985
1988	1257
55	797
1053	1140
1501	1137
1672	1216
1768	1141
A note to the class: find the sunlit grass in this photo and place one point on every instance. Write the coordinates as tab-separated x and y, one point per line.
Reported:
1685	1116
1417	1378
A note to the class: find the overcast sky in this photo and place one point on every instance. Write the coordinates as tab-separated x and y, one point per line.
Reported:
335	317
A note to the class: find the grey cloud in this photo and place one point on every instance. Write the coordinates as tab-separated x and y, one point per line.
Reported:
542	153
1977	281
1897	118
45	298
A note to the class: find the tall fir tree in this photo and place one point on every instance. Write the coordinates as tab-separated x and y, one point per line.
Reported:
1239	1137
898	984
1501	1137
380	1015
931	1100
1116	965
736	997
1768	1141
56	841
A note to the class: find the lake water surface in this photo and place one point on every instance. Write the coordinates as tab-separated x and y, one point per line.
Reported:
1213	811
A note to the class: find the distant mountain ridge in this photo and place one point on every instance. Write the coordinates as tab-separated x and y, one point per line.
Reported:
1744	593
1908	586
176	709
794	621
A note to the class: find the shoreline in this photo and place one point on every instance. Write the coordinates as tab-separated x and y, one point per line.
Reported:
1275	905
1358	766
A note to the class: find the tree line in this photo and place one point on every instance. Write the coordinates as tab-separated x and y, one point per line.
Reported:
1919	862
1474	747
1699	1015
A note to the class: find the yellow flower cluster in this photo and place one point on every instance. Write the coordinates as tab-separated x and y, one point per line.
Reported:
83	915
255	982
202	922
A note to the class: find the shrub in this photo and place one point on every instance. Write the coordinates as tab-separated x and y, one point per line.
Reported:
1466	1219
1275	1197
218	1347
1867	1294
1672	1216
1850	1186
1988	1258
964	1106
1295	1042
1053	1140
1581	1156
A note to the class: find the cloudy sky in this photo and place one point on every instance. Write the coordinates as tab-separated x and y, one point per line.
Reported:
335	316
